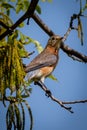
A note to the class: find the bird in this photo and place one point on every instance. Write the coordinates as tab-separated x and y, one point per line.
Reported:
45	62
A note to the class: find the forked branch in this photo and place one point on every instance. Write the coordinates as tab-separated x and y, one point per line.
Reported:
71	52
28	15
61	103
42	85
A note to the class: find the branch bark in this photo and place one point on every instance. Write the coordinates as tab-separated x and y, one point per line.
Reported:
4	25
71	52
42	85
28	14
61	103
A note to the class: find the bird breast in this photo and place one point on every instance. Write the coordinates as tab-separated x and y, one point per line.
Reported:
46	71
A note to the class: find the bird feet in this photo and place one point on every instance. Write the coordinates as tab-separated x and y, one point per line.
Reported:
48	93
42	85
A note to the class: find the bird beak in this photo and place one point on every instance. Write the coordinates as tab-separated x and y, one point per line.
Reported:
59	42
61	38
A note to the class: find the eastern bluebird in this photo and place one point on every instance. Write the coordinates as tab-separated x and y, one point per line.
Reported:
44	63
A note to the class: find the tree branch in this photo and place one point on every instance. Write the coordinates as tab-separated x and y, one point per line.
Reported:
28	14
61	103
64	47
39	21
4	25
49	94
42	85
74	102
73	52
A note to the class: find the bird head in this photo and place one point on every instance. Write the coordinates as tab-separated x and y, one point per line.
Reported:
55	41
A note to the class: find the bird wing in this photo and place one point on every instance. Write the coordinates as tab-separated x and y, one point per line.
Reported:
41	61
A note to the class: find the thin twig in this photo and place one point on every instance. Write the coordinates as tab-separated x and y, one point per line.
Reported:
42	85
28	54
75	58
64	47
61	103
66	34
74	102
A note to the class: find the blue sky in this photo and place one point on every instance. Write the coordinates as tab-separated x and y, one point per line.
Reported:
71	75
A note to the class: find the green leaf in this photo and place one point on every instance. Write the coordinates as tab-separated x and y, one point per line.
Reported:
19	8
26	5
38	9
53	77
13	0
23	53
5	19
49	0
84	8
21	25
38	45
46	0
22	5
24	39
14	35
7	6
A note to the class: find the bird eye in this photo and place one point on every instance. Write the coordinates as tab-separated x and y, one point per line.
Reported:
53	38
52	41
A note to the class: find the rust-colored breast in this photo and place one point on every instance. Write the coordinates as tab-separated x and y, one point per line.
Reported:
52	50
46	71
